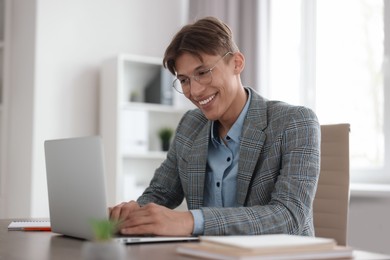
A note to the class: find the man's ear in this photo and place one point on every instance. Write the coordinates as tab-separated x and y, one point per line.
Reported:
239	62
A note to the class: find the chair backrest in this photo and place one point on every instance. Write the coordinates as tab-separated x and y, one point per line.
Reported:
332	198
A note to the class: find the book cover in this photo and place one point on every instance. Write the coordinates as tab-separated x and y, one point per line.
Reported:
265	247
199	250
272	242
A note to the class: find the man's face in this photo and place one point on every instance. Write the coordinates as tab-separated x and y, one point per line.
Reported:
214	99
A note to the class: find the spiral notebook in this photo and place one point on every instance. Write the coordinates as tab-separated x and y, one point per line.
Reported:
29	225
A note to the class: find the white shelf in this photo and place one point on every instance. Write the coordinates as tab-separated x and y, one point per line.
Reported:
130	129
150	155
152	107
133	58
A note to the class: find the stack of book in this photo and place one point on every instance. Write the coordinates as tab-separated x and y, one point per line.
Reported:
275	247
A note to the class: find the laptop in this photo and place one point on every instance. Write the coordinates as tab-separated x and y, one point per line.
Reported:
77	189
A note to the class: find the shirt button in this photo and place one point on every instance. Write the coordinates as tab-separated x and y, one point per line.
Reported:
228	159
218	184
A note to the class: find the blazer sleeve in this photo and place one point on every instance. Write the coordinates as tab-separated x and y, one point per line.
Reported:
165	187
171	181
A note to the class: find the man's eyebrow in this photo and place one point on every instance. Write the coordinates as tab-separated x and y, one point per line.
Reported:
201	66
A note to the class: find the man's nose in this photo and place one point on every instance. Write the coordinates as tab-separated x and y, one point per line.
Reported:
196	88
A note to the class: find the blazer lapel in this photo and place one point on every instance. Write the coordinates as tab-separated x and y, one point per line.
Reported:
252	141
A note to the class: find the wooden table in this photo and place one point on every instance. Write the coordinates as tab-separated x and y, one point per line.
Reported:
48	245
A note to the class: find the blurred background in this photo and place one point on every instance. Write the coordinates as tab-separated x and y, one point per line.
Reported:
330	55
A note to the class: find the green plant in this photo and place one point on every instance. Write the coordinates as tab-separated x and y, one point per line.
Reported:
165	133
103	230
134	96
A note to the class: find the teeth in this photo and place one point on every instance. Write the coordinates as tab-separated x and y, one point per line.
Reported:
204	102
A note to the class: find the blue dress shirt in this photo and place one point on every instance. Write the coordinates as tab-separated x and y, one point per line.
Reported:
221	169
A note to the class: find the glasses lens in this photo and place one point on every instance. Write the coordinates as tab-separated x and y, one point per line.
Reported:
177	86
204	77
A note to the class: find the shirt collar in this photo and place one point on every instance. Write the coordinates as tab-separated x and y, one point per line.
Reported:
235	131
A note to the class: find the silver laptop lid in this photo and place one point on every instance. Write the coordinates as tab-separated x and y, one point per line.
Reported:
76	185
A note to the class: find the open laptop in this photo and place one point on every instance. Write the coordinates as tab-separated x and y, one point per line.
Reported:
77	189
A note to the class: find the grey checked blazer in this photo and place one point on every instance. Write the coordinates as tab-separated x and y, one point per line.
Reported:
278	171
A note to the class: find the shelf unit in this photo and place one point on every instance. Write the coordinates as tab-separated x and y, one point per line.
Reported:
130	120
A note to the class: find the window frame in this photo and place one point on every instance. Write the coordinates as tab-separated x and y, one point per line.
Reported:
380	175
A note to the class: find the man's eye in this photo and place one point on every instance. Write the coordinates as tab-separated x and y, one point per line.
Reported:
202	73
183	81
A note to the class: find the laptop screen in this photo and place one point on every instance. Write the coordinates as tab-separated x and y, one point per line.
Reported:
76	184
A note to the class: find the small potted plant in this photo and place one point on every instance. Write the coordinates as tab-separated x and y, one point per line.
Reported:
103	247
135	96
165	135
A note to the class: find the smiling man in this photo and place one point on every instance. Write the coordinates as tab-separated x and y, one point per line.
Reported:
245	165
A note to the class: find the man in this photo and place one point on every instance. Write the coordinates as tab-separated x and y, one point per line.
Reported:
244	164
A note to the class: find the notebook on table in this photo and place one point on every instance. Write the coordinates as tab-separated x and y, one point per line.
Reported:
77	189
30	225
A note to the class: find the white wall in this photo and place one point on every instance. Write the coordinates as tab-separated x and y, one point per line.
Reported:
20	119
369	227
63	44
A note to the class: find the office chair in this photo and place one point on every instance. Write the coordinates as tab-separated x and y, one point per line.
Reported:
331	202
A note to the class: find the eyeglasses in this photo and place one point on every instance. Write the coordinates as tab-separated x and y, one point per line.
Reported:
182	84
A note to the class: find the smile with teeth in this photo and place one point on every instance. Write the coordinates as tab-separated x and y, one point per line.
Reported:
204	102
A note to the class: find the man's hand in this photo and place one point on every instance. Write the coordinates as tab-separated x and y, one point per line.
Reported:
152	219
122	211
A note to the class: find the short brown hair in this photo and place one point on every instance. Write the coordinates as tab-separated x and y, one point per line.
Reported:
208	35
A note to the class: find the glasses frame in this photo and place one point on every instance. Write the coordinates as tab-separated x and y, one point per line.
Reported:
197	77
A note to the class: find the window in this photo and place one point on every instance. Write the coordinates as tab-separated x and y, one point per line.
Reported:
329	55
